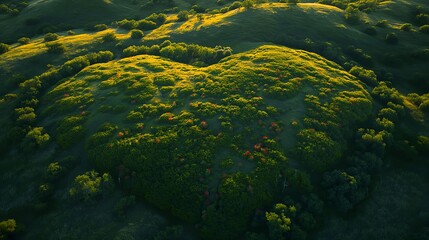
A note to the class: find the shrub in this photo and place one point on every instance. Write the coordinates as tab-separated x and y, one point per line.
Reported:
55	48
137	34
90	185
24	40
182	16
422	19
247	4
424	29
127	24
352	15
4	48
367	76
198	9
70	131
7	227
406	27
36	137
4	9
50	37
370	30
100	27
234	5
382	24
159	18
109	37
391	38
360	56
54	170
70	32
146	25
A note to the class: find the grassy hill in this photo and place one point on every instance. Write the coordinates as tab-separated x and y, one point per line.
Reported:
233	120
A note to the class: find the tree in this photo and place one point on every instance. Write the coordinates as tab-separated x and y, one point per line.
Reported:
137	34
55	48
279	220
182	16
4	48
54	170
345	190
109	37
247	4
50	37
391	38
7	227
317	149
36	138
90	185
352	15
24	40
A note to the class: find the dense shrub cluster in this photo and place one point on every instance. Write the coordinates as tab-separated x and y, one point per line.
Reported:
361	5
30	90
182	52
151	22
367	76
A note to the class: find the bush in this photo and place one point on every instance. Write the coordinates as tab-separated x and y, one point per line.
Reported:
109	37
370	30
127	24
100	27
24	40
146	25
424	29
35	138
367	76
70	32
4	48
382	24
137	34
182	16
422	19
90	185
247	4
70	131
159	18
7	227
198	9
360	56
55	48
234	5
406	27
391	38
352	15
50	37
53	171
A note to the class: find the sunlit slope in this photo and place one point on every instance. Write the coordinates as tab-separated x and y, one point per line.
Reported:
191	139
265	22
313	26
49	15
